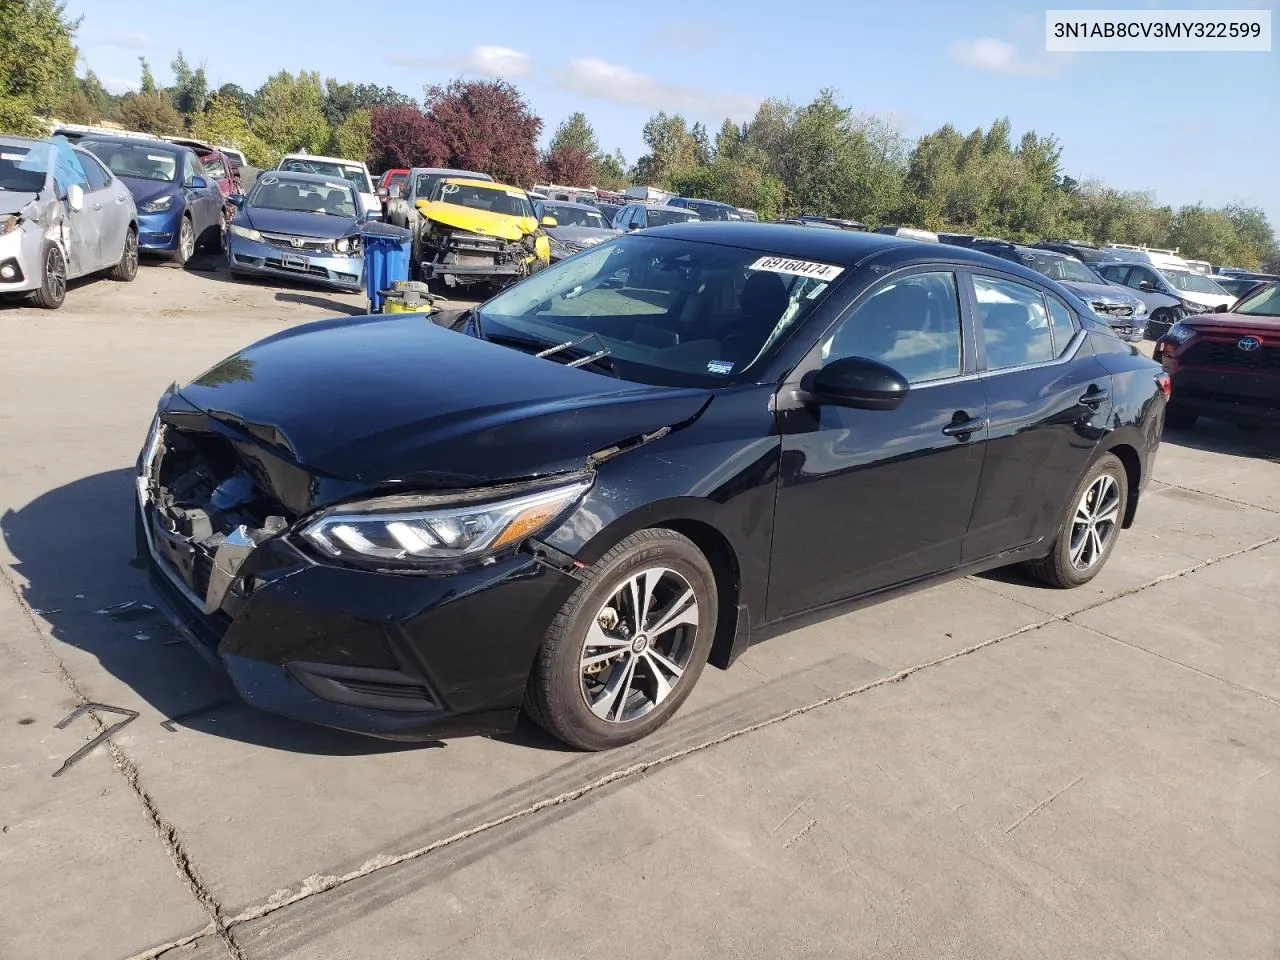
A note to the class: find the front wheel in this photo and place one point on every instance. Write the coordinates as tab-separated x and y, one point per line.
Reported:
127	268
1159	324
53	287
627	648
186	242
1088	533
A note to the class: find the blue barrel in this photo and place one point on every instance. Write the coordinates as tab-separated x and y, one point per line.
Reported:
387	250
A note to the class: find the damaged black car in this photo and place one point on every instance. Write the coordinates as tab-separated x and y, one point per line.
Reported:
571	498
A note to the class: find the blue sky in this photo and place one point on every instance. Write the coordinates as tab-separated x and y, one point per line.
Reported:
1193	127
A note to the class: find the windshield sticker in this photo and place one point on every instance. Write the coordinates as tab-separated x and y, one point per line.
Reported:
161	158
268	180
798	268
13	157
335	186
720	366
449	188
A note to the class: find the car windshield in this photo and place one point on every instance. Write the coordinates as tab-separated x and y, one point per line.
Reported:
1264	303
496	199
329	168
141	160
713	211
666	311
574	216
1061	268
1189	281
334	198
23	170
661	216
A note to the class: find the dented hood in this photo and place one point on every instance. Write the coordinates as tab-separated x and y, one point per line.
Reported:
484	222
398	399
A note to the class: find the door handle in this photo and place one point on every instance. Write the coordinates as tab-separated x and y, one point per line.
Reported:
962	428
97	206
1094	398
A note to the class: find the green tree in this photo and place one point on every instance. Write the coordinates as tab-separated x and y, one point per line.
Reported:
352	137
37	63
611	171
575	132
223	123
244	102
77	108
148	84
1203	233
671	150
104	105
290	113
150	113
701	144
729	140
190	87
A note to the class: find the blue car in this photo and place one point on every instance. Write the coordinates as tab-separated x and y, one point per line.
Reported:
303	226
179	206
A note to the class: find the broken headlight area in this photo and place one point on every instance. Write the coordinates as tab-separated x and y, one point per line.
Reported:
447	247
210	508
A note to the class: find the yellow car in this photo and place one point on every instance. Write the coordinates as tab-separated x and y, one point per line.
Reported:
477	231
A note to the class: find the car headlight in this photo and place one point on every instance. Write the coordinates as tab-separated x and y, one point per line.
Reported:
158	204
1179	333
347	245
247	232
9	224
1194	308
417	531
1139	308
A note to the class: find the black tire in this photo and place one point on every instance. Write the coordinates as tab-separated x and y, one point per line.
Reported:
53	283
127	268
186	241
560	684
1159	324
1058	569
1179	417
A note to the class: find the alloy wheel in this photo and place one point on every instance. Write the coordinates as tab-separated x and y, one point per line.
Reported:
1095	522
186	239
56	273
639	645
131	252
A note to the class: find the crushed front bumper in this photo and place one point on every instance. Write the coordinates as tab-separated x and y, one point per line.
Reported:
401	656
326	269
20	252
458	257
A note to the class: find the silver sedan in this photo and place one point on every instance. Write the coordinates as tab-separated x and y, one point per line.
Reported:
62	215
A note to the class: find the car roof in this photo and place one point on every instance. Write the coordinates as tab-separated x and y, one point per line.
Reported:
569	203
843	247
451	172
316	156
156	144
14	140
716	203
297	175
653	205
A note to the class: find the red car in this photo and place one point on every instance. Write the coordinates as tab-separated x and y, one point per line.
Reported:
1226	364
394	177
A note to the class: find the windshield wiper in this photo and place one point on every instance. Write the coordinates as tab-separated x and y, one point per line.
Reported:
550	351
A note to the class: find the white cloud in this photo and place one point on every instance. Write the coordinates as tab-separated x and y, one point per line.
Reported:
128	39
117	86
592	77
487	61
1000	56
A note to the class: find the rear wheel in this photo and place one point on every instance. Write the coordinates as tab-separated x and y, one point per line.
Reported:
627	648
1088	533
1159	324
53	287
127	268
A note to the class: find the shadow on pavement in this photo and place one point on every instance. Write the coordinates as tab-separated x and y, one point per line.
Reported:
325	303
74	546
1219	436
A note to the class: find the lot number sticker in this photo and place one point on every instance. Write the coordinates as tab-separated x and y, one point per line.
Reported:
798	268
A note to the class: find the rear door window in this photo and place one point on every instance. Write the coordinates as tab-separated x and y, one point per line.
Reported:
1015	323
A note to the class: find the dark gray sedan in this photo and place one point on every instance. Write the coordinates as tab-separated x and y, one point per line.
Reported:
577	226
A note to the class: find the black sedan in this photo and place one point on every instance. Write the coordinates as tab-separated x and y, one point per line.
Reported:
642	459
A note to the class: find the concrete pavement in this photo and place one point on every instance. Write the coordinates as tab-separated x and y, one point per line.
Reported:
985	769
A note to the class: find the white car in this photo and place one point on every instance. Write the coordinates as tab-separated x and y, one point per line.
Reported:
353	170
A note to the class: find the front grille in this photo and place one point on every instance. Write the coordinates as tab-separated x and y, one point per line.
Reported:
1212	353
308	245
1118	310
279	265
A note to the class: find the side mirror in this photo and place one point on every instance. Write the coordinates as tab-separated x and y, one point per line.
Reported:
1147	285
393	192
1222	308
550	222
633	225
199	183
75	197
858	383
236	199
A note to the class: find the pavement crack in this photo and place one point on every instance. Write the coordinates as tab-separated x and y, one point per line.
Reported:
167	833
1040	806
1165	484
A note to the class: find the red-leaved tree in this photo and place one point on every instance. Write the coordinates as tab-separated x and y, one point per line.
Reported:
485	125
570	166
403	136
